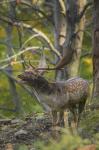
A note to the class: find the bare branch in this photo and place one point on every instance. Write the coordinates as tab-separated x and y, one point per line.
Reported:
48	69
18	54
25	2
62	6
33	30
83	11
47	40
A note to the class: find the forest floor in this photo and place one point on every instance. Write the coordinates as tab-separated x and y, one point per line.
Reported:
15	132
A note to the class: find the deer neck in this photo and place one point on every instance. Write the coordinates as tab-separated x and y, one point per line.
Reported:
42	85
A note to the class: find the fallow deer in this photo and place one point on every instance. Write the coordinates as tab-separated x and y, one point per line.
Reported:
60	95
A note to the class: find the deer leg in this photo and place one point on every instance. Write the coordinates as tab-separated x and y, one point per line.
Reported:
66	114
69	119
75	118
80	109
61	118
54	118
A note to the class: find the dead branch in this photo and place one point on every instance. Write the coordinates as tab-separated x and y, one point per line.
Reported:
47	40
62	6
18	54
84	10
48	69
36	9
33	30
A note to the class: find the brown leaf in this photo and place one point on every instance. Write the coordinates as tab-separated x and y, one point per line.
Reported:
9	146
88	147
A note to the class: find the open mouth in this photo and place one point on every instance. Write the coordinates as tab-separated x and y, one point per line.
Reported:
22	79
20	76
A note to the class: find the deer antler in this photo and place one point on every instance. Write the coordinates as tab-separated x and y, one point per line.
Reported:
42	64
42	67
32	65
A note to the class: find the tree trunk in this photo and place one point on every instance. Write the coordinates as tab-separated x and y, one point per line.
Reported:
9	30
96	49
79	30
74	36
59	34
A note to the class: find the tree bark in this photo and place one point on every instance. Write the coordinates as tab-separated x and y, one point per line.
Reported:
59	34
74	36
9	29
79	30
96	49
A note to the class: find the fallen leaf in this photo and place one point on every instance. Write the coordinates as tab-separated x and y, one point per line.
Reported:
88	147
9	146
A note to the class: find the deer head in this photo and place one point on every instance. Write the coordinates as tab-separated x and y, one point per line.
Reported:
32	73
29	75
33	77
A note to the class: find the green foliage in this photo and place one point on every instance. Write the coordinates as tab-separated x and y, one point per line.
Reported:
22	147
96	137
67	142
90	122
86	68
27	103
